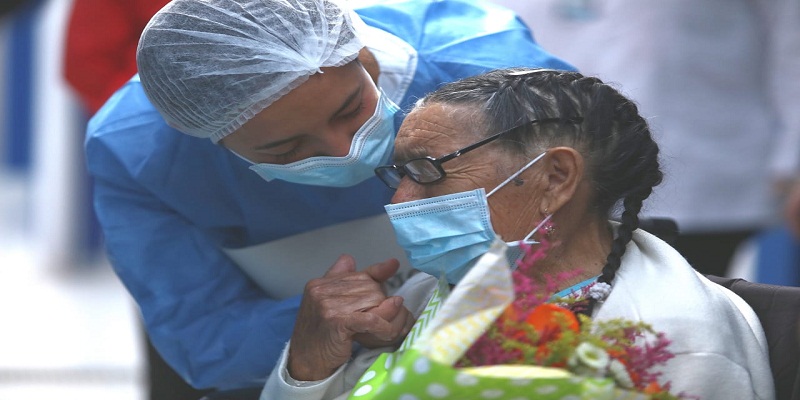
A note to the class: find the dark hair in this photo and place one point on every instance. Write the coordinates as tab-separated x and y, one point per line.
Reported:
621	156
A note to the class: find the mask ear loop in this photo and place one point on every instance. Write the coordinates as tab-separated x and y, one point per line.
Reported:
527	239
240	156
516	174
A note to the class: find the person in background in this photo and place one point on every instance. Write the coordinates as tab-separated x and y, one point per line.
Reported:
497	156
238	165
100	53
718	83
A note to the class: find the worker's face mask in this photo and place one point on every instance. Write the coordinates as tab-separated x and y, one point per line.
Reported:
445	235
372	145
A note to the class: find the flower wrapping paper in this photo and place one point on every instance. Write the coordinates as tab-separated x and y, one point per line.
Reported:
422	368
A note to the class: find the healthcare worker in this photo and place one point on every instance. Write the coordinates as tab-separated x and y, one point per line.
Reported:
238	164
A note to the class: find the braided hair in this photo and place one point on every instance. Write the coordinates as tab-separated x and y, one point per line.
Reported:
595	119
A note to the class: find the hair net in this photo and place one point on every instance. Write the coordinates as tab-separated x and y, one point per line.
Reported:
209	66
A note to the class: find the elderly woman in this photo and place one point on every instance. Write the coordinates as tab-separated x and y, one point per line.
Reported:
496	155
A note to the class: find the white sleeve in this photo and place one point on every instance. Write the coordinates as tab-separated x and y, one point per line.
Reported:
281	386
692	373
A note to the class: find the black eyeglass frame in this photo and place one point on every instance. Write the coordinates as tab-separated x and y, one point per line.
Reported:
399	171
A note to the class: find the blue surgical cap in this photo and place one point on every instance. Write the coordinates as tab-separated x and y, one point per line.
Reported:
209	66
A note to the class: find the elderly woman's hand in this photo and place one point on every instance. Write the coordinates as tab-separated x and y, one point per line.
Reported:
341	307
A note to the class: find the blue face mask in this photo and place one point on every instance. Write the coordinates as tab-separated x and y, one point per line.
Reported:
372	146
447	234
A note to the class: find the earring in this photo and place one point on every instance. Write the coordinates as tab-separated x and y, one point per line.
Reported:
549	228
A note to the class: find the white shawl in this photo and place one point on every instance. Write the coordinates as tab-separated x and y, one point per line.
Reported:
719	345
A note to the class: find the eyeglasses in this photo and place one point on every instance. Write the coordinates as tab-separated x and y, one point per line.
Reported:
429	170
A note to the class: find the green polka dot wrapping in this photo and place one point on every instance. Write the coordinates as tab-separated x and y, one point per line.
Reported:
412	376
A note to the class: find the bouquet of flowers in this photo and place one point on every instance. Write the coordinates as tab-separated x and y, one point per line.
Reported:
499	335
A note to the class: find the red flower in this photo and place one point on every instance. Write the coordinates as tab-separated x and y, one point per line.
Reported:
653	388
550	321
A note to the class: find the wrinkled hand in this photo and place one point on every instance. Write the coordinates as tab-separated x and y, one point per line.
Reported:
341	307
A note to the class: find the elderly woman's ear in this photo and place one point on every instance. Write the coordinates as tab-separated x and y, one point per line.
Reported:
564	169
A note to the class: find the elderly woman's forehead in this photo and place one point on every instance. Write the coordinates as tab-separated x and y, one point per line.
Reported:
436	121
433	130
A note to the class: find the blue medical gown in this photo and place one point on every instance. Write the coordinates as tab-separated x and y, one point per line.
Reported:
169	202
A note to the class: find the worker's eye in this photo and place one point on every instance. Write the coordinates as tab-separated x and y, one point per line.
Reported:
354	113
287	157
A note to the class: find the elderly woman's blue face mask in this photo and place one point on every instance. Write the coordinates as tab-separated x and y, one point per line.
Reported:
445	235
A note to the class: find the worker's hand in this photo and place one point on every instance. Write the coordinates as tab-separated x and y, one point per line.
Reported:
338	308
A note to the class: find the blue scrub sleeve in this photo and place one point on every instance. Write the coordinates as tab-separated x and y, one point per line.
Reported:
203	315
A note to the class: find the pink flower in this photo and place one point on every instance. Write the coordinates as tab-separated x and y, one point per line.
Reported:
533	330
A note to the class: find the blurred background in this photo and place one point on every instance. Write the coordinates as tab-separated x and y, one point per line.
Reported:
68	329
68	326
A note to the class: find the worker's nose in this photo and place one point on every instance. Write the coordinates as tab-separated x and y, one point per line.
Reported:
338	143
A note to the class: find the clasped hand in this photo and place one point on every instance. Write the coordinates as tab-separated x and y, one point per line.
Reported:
342	307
